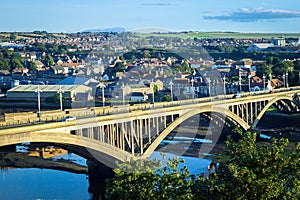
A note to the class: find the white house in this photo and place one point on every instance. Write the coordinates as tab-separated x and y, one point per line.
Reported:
259	46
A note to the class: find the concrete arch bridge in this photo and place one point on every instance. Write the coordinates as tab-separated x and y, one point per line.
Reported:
134	133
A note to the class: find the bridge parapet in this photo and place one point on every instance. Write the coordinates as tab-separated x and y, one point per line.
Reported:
137	130
13	119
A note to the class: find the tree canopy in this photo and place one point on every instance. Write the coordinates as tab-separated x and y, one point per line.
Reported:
283	67
249	171
255	171
9	60
263	69
149	180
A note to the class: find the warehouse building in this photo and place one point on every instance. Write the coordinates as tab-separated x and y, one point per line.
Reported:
73	93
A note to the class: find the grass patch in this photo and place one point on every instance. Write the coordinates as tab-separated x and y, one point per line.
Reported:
271	109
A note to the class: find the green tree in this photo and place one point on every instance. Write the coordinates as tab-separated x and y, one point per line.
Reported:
273	60
185	66
62	51
289	64
159	56
119	67
293	78
133	58
48	60
254	172
167	97
4	64
146	54
247	171
121	57
263	69
13	36
297	65
155	88
16	63
31	66
282	68
148	180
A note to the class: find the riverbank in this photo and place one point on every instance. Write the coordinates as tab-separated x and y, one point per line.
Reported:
11	159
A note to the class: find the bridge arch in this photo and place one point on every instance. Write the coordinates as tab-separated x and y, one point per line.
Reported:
264	110
103	152
178	121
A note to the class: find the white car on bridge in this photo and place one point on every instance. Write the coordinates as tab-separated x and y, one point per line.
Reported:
68	118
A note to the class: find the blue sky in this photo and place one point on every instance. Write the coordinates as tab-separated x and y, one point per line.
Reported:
174	15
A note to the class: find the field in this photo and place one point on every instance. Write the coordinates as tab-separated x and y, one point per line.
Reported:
200	35
183	35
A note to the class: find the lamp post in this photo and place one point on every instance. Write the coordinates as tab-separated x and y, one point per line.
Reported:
38	91
264	81
270	76
171	87
224	84
152	84
60	91
103	99
240	82
283	77
193	91
123	93
287	79
209	81
249	82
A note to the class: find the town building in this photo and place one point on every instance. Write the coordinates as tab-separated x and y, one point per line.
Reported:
73	93
138	96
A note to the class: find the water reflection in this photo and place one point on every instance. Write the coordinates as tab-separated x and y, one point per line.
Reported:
72	157
34	183
42	184
195	165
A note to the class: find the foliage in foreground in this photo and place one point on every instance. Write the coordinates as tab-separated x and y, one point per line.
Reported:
251	171
149	180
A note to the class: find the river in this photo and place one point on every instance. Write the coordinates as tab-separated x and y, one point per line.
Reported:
35	183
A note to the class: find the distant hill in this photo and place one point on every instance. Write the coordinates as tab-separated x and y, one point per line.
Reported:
113	29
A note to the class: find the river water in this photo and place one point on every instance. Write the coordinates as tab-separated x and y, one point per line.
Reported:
34	183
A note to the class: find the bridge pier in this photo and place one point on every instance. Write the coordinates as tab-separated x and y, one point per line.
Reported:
97	175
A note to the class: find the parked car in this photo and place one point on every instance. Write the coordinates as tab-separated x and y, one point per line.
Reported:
68	118
237	95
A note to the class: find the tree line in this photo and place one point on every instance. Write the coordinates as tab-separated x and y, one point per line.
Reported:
10	60
247	170
278	69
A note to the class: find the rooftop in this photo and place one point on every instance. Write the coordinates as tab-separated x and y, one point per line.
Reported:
44	88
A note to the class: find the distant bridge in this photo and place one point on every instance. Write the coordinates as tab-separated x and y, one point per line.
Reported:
136	131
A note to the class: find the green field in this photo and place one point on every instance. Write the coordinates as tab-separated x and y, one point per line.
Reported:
183	35
200	35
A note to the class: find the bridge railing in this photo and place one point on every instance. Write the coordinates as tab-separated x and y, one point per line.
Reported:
17	119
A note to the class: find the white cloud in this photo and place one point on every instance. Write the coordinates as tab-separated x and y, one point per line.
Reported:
258	14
